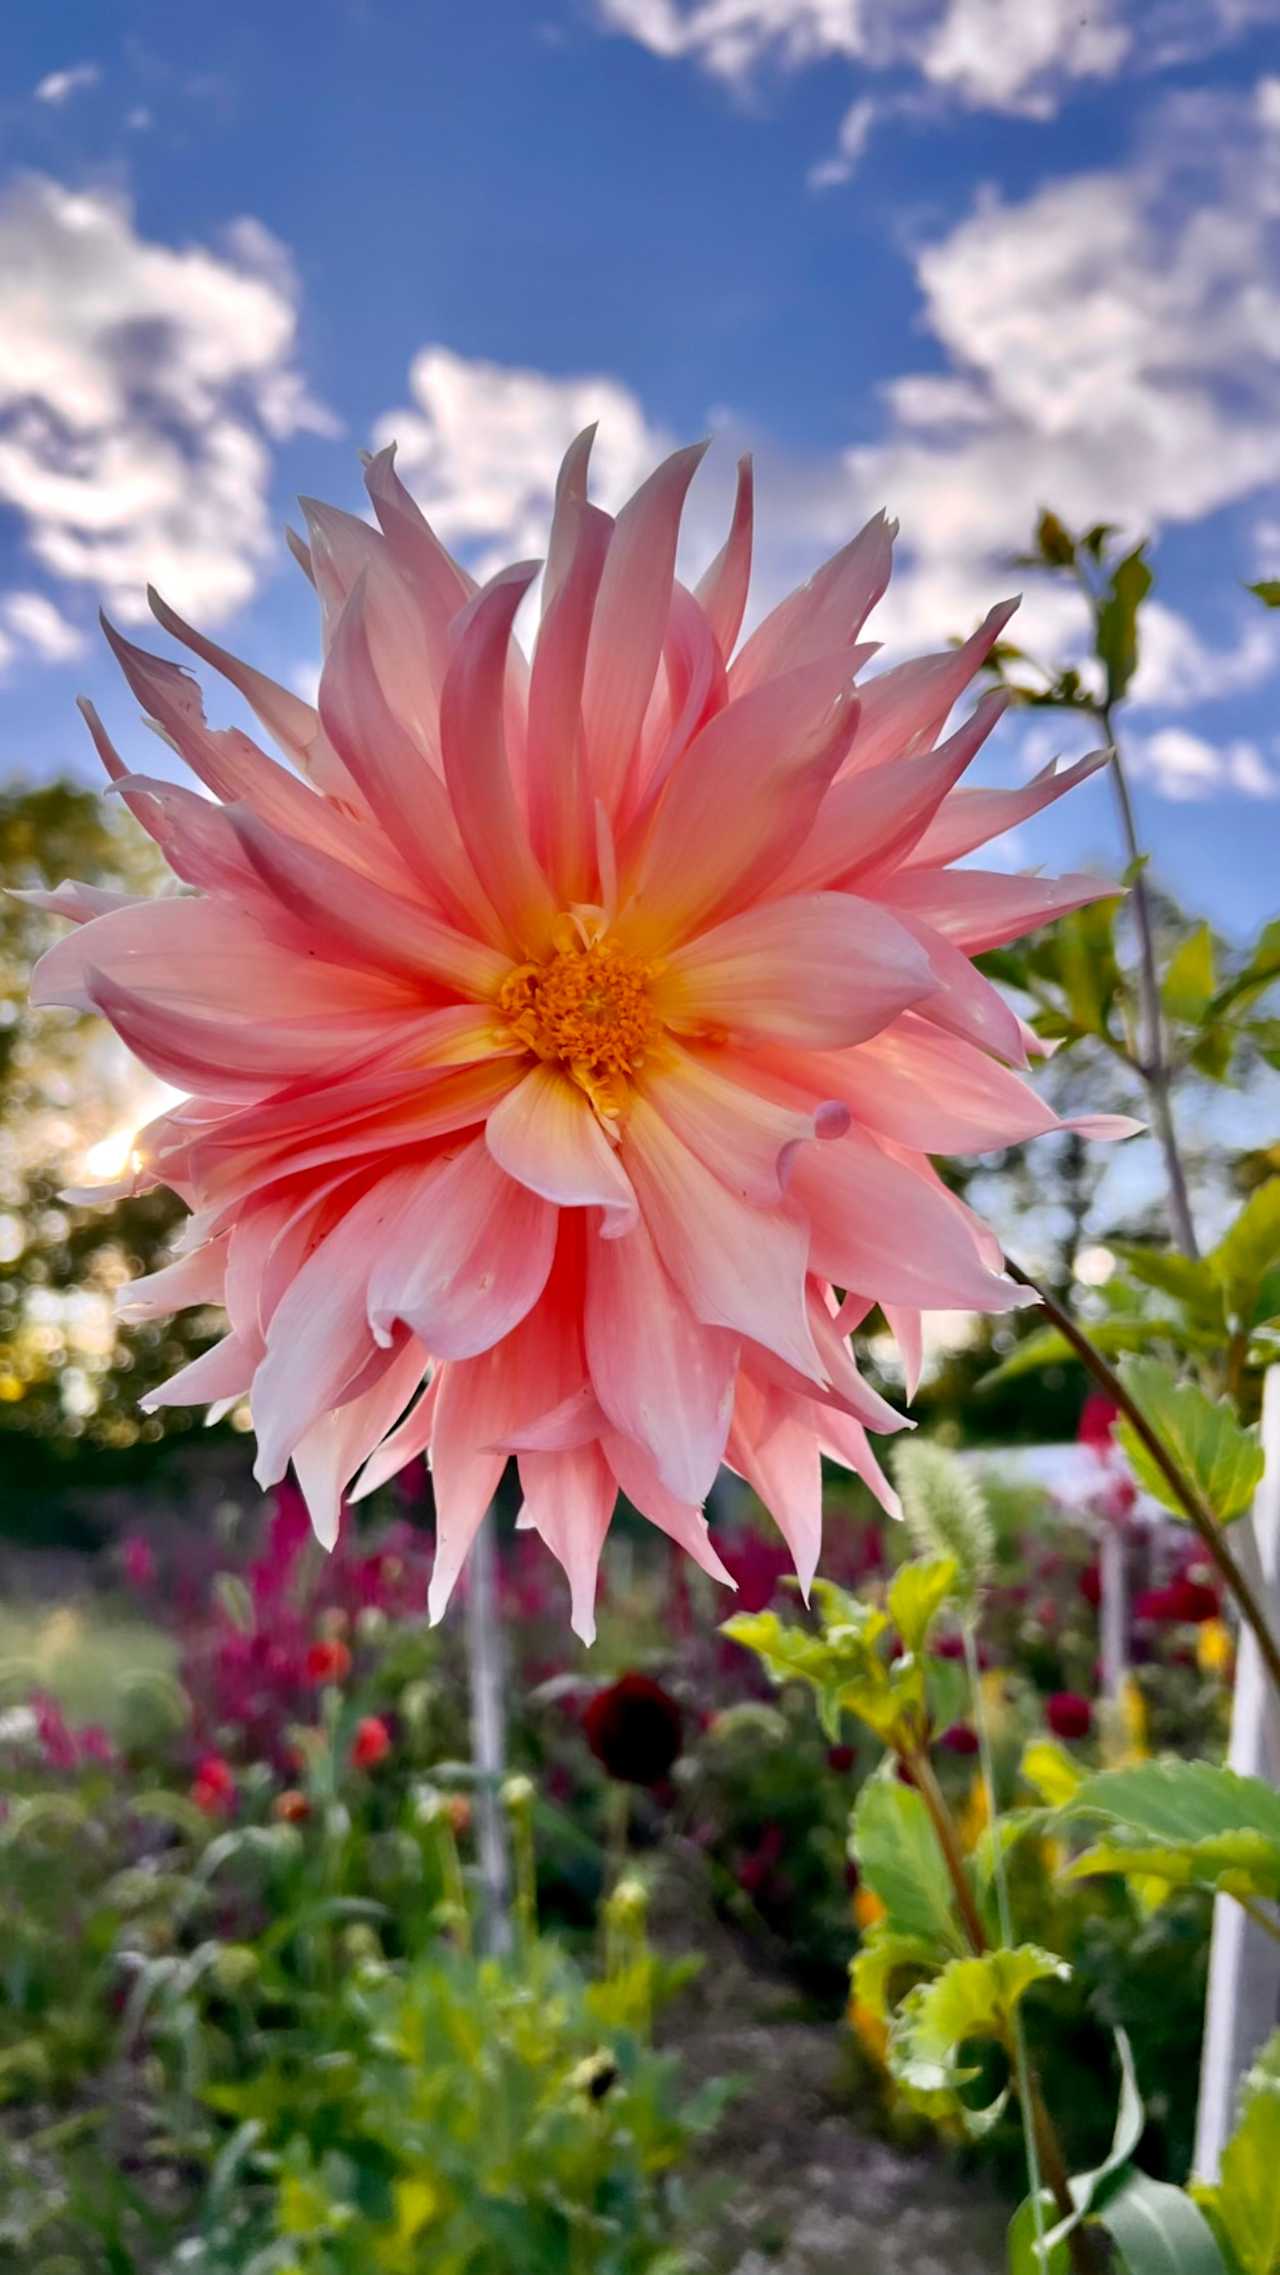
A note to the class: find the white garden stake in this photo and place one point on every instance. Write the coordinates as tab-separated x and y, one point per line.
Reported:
1244	1963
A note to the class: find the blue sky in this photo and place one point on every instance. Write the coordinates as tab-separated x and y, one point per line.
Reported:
959	257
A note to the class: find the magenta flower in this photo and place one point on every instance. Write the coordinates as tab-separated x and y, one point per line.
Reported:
561	1033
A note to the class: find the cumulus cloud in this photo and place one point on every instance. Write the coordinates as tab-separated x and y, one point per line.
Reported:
58	87
1186	767
35	624
1113	343
1001	55
141	389
480	443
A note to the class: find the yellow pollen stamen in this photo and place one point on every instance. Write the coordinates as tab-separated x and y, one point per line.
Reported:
589	1010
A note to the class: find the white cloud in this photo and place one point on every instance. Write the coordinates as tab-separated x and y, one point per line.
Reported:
851	143
58	87
482	442
1186	768
141	388
1003	55
32	619
1114	350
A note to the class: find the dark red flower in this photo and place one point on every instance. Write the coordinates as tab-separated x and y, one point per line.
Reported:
841	1759
1068	1715
291	1807
961	1738
1183	1602
327	1661
1097	1419
214	1788
635	1730
372	1742
1090	1585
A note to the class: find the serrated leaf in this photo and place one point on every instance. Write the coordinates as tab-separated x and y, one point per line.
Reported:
884	1953
898	1858
1248	1253
1231	1864
1157	2230
1117	629
1050	1771
843	1664
917	1593
1221	1458
973	1998
1178	1801
1191	977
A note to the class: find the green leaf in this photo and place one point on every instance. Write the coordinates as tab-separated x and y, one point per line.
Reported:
1054	542
917	1593
1047	1348
1051	1772
1082	949
1257	975
1247	1254
1247	2200
971	1999
1221	1458
1189	1280
1231	1864
1178	1801
1024	2259
896	1851
1191	979
1157	2230
1087	2188
1117	631
843	1665
1267	590
884	1953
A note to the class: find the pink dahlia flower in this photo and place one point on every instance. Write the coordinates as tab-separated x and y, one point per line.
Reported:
565	1038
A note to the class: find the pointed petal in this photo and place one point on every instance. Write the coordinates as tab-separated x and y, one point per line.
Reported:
882	1230
471	1256
774	1445
828	612
711	1101
630	621
970	818
410	1438
979	909
332	1450
473	739
664	1379
561	814
546	1135
682	1521
293	724
722	592
569	1499
814	968
904	710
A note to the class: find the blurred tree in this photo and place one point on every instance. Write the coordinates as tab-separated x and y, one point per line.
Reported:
70	1098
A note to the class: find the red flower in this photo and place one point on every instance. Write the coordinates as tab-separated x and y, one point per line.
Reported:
1183	1602
961	1738
372	1742
214	1789
291	1806
1090	1585
1098	1416
1068	1715
327	1661
635	1729
841	1759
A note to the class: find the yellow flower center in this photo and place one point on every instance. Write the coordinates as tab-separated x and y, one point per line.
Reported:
588	1009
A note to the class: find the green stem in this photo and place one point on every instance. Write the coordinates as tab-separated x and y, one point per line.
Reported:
1021	2059
1198	1513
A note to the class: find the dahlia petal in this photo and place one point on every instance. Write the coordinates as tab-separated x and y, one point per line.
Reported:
722	591
879	1227
343	549
907	1329
473	739
225	1371
576	1421
828	612
193	833
904	710
561	816
774	1446
737	1267
814	968
870	820
630	620
568	511
333	1449
78	903
441	586
197	1277
319	1337
844	1440
662	1378
741	799
293	724
465	1470
350	912
637	1476
569	1500
965	1003
970	818
394	771
691	688
546	1135
410	1438
472	1252
748	1139
936	1093
979	909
